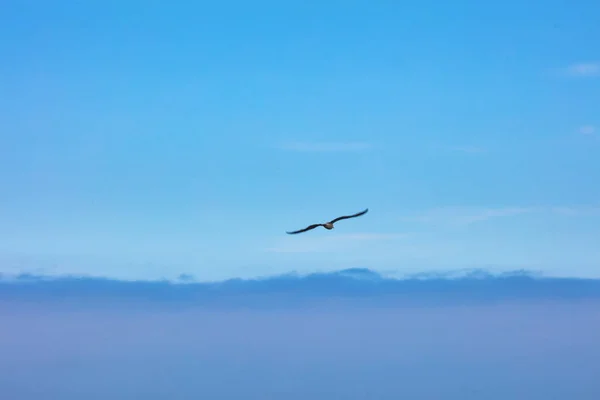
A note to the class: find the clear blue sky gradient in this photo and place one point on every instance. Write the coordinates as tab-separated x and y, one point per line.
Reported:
143	140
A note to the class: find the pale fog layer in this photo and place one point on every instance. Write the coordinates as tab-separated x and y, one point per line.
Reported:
521	350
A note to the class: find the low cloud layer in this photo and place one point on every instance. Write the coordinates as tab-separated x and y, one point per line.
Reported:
351	285
359	336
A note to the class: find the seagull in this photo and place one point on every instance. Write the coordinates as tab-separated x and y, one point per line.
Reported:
329	225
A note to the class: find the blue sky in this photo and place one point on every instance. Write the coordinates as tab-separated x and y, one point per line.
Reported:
145	140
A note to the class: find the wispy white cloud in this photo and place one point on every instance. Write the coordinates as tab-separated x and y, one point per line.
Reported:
370	236
470	215
468	149
325	146
466	215
584	69
333	242
587	130
581	211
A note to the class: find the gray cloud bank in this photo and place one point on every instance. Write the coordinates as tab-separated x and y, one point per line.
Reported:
357	335
355	285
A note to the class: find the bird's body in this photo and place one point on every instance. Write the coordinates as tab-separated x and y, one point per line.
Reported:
329	225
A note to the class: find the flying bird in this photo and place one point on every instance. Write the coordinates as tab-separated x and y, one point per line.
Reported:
329	225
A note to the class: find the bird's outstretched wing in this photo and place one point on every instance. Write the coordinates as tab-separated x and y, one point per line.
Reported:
308	228
363	212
